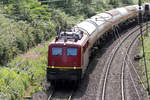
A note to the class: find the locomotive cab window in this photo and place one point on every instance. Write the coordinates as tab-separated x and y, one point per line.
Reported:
56	51
72	52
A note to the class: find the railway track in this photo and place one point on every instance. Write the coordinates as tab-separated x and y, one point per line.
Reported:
108	67
57	95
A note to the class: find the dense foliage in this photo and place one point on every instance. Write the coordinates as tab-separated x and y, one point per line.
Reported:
25	72
26	23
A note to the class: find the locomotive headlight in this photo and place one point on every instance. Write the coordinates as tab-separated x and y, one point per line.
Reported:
53	64
75	65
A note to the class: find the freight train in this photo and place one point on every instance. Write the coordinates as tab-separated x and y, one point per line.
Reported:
69	53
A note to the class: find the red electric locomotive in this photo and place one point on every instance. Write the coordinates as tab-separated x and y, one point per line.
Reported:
65	56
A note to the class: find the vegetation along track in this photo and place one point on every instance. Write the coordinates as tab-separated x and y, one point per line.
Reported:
112	84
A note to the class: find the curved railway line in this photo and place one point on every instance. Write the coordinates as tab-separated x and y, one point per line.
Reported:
107	76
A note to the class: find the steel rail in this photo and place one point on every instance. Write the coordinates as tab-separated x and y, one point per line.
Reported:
51	96
70	97
139	78
135	86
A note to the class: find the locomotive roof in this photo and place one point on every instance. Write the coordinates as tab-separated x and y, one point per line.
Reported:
71	37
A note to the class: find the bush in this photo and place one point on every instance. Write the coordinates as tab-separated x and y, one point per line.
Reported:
24	71
18	37
14	39
30	24
13	83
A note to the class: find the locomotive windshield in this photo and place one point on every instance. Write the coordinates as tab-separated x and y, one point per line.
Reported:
72	52
56	51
